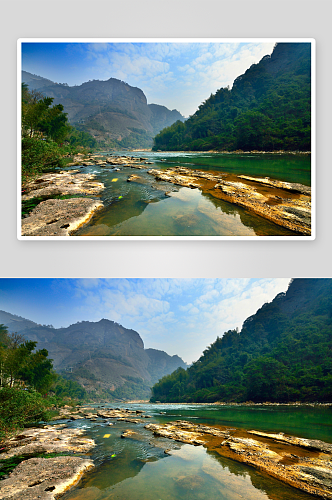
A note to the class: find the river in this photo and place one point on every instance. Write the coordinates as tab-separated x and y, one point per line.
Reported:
138	469
142	208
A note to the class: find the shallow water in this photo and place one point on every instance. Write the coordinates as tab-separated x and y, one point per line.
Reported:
141	208
284	167
138	469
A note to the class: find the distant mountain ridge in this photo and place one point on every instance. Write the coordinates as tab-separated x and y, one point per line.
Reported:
104	357
112	111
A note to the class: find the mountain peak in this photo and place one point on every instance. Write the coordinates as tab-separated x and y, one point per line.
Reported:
112	111
103	356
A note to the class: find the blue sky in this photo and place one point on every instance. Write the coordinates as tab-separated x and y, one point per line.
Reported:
179	316
177	75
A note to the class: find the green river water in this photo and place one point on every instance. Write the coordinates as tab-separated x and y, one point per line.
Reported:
138	469
142	208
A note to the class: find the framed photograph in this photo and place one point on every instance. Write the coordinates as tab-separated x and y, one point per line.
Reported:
166	139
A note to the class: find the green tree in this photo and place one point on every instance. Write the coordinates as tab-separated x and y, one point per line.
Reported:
19	408
268	108
21	365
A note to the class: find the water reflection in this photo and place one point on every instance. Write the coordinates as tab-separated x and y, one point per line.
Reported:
139	469
146	207
188	473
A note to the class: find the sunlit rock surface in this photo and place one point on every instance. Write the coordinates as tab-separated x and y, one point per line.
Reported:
43	478
308	470
286	204
55	217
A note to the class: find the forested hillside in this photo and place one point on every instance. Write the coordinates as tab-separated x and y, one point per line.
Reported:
282	353
267	109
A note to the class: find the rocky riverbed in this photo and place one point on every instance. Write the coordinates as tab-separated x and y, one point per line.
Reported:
54	217
284	203
48	478
302	463
45	478
60	217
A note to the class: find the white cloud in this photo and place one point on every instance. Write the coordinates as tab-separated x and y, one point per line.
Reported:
165	71
180	316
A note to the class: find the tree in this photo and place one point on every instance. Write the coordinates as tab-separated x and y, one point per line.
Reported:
40	120
268	108
21	365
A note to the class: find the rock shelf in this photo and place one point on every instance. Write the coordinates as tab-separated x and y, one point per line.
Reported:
312	444
304	469
50	439
62	183
55	217
59	217
45	478
107	161
289	186
284	203
124	415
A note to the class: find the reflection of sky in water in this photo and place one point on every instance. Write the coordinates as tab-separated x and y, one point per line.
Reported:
138	468
141	208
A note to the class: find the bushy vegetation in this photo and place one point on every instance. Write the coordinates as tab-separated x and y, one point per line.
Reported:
65	390
46	135
268	109
283	353
19	408
133	388
29	387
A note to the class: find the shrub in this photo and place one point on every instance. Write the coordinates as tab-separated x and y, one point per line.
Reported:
20	408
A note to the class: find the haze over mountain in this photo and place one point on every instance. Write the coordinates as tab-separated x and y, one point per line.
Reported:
104	357
114	113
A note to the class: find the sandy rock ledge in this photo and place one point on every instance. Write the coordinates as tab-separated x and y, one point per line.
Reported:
284	203
301	463
64	182
59	217
54	217
43	478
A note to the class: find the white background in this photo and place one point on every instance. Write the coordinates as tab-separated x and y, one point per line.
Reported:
163	19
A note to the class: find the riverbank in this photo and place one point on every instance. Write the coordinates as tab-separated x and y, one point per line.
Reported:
305	464
60	217
286	204
301	463
236	152
45	478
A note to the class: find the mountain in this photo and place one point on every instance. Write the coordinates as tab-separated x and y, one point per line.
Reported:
15	323
282	353
104	357
267	109
113	112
